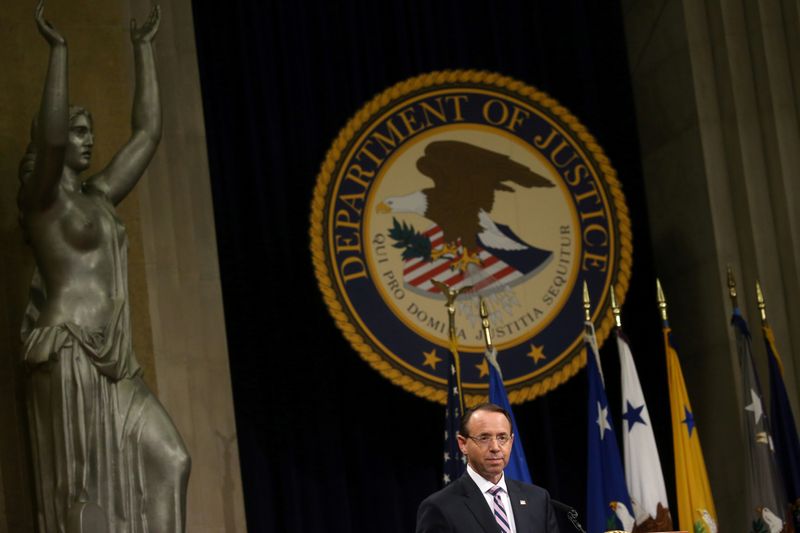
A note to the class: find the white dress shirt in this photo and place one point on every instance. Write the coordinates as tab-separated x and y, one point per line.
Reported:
484	485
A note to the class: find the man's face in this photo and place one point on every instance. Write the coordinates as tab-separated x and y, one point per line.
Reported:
79	143
489	458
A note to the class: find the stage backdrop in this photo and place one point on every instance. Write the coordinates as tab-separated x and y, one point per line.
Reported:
326	443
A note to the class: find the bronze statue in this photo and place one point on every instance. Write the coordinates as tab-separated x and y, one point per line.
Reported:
106	455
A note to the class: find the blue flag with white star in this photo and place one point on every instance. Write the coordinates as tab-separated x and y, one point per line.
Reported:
608	506
517	467
454	461
764	505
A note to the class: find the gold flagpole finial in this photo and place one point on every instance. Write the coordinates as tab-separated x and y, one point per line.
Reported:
662	302
615	308
732	288
487	335
587	304
450	297
762	305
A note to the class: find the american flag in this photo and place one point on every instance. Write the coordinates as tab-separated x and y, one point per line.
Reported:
454	462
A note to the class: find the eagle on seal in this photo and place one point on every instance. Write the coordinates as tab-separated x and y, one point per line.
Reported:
466	178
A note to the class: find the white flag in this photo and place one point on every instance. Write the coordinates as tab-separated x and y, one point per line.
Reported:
642	467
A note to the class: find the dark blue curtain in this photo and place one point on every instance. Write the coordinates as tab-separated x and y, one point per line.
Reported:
327	444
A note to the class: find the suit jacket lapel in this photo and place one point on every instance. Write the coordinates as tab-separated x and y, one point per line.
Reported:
476	503
522	518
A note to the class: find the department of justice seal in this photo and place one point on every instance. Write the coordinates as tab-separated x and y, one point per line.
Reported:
469	179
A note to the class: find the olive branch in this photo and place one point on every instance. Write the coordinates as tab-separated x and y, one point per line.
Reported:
413	243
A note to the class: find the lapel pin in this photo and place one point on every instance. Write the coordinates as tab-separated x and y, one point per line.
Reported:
523	502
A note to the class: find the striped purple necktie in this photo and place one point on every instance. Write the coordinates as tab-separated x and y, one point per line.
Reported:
499	510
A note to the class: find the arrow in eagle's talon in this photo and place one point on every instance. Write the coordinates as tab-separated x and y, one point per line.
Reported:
447	249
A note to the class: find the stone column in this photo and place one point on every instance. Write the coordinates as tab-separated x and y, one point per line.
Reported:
716	90
182	276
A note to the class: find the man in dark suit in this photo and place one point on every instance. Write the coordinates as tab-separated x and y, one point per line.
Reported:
483	500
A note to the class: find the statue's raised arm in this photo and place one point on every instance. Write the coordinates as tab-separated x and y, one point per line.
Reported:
128	165
48	144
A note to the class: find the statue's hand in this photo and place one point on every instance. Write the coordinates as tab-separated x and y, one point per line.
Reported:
47	30
148	30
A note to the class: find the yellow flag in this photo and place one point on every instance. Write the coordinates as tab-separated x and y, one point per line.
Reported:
696	512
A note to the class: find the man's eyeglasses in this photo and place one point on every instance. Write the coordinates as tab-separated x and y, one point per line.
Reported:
484	440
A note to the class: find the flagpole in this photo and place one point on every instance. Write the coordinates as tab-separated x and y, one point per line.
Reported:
732	288
517	467
454	462
589	329
615	309
662	302
487	335
450	304
768	335
765	327
587	303
491	353
762	306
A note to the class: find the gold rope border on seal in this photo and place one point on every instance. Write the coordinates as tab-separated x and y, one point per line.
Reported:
347	133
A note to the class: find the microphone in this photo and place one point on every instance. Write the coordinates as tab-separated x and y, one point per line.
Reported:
569	512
